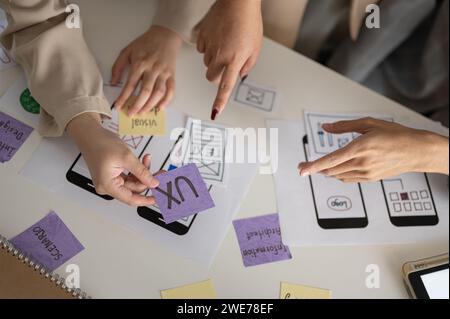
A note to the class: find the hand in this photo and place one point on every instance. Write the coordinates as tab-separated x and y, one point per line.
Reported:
108	159
152	57
384	149
230	37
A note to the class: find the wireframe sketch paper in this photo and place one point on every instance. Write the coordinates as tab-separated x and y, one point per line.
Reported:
70	177
260	240
317	210
13	134
201	290
6	61
48	242
207	148
256	96
182	193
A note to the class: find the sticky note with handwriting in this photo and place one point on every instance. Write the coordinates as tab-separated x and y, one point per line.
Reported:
152	123
200	290
292	291
48	242
13	134
182	193
260	240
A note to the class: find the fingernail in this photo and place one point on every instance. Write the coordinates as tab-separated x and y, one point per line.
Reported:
154	183
214	114
325	125
244	78
304	173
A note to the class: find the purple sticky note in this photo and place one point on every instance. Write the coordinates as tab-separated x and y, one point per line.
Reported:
182	193
48	242
260	240
12	135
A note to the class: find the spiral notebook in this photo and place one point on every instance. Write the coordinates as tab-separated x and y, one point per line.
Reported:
21	278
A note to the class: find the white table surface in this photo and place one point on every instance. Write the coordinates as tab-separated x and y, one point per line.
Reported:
118	263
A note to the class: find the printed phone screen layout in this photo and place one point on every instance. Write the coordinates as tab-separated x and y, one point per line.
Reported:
335	199
409	195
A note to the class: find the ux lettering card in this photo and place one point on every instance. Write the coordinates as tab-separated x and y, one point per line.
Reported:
182	193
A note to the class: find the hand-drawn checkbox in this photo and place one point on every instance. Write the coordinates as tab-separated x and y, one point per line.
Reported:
414	195
427	206
397	207
407	206
418	206
424	194
394	196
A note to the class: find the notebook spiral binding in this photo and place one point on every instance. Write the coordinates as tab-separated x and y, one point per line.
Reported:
58	280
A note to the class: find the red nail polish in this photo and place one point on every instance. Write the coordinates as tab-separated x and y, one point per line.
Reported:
214	114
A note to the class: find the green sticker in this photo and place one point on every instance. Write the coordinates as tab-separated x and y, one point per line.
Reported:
29	103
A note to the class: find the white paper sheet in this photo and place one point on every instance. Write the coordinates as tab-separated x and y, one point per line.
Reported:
6	61
298	212
205	233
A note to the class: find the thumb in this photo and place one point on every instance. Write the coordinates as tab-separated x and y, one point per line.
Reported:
359	126
141	172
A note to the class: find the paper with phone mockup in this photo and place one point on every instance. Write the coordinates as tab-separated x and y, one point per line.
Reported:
305	204
188	241
260	240
292	291
49	242
151	123
200	290
13	134
182	193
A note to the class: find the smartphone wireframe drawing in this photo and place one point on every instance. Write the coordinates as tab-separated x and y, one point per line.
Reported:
409	200
337	205
153	214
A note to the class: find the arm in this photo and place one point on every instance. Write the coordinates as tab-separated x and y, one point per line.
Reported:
64	78
62	74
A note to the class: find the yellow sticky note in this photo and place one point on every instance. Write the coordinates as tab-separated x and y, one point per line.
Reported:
151	123
200	290
291	291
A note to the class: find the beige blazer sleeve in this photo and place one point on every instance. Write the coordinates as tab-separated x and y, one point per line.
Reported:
62	73
182	16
